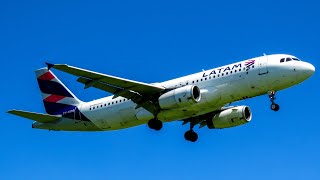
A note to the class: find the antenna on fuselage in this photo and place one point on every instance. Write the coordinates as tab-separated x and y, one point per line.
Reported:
264	54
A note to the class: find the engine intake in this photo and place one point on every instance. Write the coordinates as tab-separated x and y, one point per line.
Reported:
230	117
180	97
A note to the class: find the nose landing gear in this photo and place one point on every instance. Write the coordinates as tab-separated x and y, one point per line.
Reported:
275	107
272	96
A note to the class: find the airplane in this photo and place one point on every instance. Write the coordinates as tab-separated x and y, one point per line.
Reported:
199	99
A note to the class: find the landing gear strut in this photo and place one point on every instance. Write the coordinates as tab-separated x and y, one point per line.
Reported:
155	124
272	96
191	135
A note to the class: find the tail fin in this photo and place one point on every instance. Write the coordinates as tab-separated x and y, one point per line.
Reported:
57	98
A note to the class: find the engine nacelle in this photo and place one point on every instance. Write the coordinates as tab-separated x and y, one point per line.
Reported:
230	117
180	97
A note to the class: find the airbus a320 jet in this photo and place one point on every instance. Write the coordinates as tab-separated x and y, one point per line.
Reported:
198	99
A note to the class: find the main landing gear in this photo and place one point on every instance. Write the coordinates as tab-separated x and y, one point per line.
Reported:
191	135
272	96
155	124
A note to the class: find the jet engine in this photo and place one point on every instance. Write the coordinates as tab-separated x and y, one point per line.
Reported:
180	97
234	116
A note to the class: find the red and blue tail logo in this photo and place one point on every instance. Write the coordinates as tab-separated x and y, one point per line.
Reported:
57	98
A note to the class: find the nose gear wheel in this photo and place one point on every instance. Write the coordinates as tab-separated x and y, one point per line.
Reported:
272	96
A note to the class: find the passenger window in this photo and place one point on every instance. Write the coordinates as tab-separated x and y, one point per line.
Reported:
282	60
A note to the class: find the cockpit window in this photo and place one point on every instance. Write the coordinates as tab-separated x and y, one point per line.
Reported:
288	59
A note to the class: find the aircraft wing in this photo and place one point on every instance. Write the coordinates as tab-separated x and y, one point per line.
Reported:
95	77
135	97
139	92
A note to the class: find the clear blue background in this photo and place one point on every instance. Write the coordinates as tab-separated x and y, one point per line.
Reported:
152	41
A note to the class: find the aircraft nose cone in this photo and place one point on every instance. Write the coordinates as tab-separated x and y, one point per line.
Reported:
304	71
309	69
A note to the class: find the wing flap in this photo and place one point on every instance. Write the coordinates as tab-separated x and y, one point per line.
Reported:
43	118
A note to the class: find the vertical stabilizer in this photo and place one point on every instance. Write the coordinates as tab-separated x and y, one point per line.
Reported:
57	98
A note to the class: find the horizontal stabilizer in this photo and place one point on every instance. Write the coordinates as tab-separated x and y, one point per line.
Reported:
43	118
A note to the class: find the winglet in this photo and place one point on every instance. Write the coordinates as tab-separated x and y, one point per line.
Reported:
49	65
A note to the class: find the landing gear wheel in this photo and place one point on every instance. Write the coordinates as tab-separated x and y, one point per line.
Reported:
275	107
272	96
191	136
155	124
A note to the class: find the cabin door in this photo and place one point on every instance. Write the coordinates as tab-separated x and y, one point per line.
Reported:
263	65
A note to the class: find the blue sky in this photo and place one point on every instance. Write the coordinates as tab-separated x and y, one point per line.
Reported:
152	41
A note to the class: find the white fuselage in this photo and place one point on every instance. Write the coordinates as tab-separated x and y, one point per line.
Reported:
219	86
